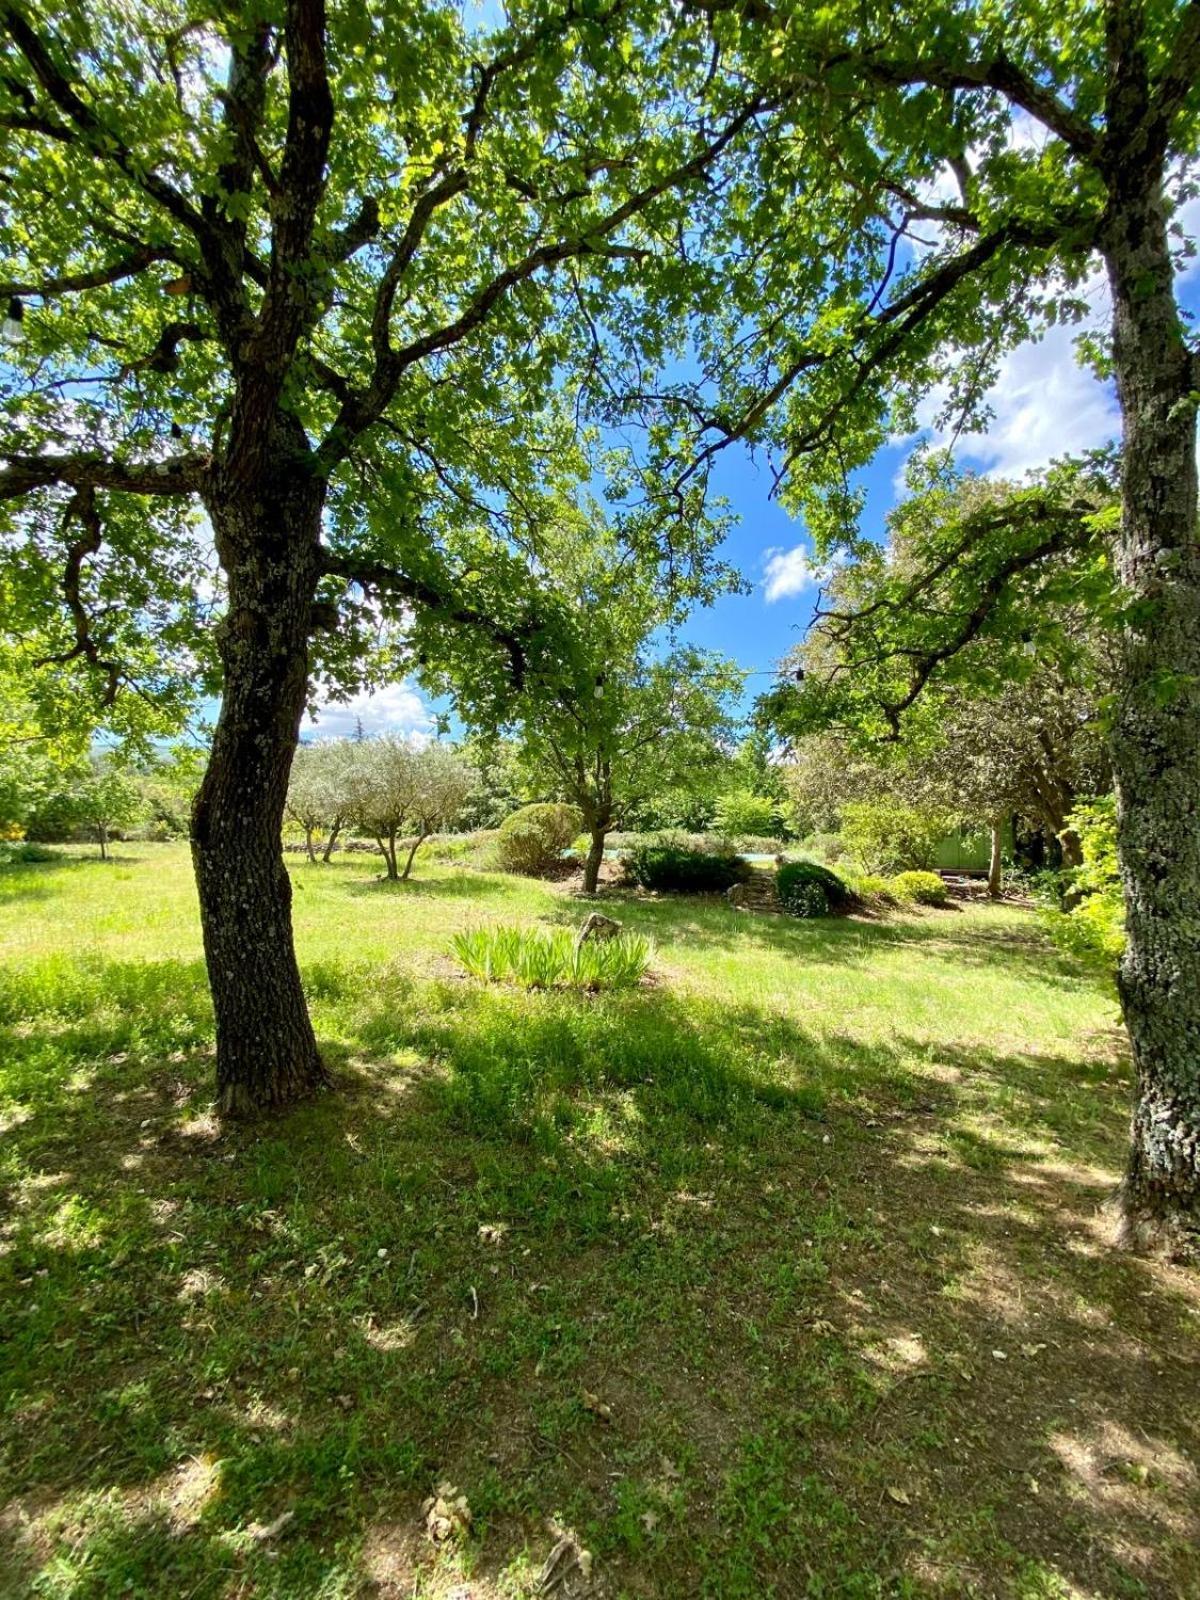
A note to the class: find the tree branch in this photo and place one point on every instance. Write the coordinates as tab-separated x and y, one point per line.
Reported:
100	140
75	282
1178	78
368	405
184	474
378	576
83	508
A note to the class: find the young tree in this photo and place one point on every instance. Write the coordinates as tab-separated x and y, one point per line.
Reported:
985	159
626	717
318	272
401	791
320	788
655	725
107	797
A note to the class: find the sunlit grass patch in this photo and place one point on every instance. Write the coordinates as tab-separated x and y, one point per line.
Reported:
709	1270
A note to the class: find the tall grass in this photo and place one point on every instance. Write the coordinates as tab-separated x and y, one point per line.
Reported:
545	960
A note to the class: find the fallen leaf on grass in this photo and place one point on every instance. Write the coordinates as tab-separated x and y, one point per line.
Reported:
447	1514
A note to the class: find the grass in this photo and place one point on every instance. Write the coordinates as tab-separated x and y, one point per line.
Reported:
538	959
786	1275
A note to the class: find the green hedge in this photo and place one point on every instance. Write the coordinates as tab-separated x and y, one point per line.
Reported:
807	889
674	869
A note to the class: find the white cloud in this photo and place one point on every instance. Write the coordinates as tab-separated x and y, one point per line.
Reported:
1044	404
395	709
788	573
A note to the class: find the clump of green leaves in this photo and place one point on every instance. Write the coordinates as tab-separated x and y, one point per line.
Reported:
886	835
1093	926
807	889
872	888
539	959
673	868
921	888
533	839
743	814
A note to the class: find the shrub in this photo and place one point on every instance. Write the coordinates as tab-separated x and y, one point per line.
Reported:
17	853
807	889
742	813
542	960
673	868
886	837
1093	926
830	847
925	888
533	839
872	888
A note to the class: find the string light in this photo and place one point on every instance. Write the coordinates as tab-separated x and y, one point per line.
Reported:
11	329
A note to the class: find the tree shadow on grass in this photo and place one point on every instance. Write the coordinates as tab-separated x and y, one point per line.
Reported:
721	1293
463	884
707	923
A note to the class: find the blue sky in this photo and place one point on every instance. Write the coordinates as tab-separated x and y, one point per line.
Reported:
1043	405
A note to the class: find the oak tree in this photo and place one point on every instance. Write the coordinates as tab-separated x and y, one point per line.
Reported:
318	273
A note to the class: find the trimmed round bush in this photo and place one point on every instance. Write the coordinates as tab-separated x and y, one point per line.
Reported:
533	839
807	889
674	869
926	888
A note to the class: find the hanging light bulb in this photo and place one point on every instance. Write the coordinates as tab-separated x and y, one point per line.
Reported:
11	329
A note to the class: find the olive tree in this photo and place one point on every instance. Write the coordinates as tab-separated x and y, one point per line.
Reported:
320	791
402	792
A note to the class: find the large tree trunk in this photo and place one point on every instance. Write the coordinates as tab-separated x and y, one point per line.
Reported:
1156	736
267	537
594	858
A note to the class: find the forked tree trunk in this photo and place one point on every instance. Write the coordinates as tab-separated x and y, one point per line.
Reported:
267	539
387	847
416	845
995	883
1156	735
332	839
594	859
308	843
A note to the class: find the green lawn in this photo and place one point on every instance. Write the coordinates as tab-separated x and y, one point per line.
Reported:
786	1274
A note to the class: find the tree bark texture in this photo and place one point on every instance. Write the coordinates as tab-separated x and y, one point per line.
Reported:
594	858
1156	735
995	882
267	535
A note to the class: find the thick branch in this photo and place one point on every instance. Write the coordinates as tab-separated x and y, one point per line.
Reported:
75	282
83	509
184	474
1178	78
1000	74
